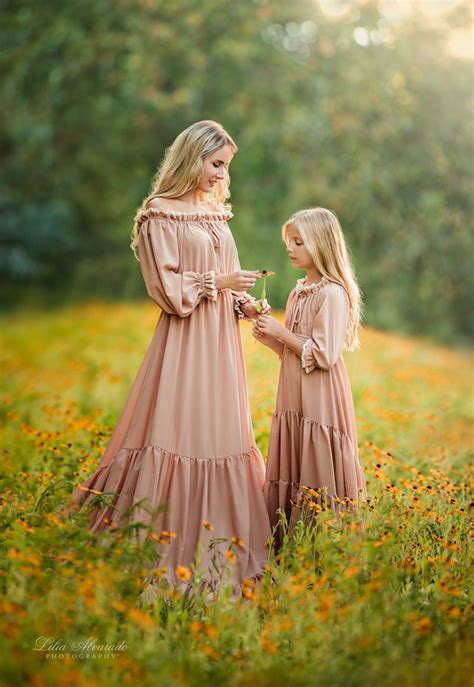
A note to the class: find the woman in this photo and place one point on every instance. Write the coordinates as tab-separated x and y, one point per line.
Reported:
184	443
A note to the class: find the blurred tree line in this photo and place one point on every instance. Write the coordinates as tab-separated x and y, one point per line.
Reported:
368	117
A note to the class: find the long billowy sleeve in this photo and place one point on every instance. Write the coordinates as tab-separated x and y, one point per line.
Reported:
326	344
177	293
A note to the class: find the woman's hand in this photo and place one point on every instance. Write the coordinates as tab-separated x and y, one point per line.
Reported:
268	326
250	309
242	280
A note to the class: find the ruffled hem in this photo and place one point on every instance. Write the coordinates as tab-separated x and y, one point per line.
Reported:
149	213
182	495
305	453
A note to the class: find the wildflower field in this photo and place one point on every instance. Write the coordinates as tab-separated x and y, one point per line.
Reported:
384	604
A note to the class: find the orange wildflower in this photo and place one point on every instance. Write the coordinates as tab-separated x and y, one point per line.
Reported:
183	573
230	555
209	651
238	542
423	625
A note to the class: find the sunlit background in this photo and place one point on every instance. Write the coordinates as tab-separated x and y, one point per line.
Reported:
433	13
362	106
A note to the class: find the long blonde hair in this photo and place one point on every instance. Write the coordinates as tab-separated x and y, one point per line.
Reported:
323	238
182	166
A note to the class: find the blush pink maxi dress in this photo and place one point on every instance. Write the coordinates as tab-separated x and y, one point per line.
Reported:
184	439
313	439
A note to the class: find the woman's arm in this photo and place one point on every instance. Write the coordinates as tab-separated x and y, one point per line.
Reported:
177	293
240	280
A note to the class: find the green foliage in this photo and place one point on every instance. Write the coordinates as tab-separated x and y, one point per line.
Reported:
380	133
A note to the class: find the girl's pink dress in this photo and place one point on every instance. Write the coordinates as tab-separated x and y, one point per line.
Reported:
313	441
184	439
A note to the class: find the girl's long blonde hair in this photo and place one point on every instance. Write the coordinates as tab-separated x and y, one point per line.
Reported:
322	236
182	165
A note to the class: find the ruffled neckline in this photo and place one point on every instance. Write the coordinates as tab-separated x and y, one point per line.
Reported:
302	287
148	213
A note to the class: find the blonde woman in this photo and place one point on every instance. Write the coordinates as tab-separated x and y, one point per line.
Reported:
313	441
184	444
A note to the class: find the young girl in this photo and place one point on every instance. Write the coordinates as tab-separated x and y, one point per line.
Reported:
313	441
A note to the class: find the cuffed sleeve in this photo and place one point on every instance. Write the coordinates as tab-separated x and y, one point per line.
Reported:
241	297
325	346
177	293
208	285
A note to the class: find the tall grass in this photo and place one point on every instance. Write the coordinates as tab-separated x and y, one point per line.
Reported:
383	600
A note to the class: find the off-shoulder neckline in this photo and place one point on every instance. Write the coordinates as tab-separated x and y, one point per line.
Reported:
146	213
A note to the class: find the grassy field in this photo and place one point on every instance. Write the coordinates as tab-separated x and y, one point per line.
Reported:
386	607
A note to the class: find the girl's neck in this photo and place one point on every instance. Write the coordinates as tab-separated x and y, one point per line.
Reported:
313	276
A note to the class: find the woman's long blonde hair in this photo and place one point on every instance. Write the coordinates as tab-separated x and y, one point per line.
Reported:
322	236
182	166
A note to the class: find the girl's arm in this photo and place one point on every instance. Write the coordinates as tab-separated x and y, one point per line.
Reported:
271	329
325	345
268	341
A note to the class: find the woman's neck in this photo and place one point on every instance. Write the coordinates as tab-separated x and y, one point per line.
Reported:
313	275
194	198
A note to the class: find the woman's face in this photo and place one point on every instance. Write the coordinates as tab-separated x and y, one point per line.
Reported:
214	167
297	251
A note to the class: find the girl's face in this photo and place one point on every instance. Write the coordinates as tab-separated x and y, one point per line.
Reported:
296	249
214	167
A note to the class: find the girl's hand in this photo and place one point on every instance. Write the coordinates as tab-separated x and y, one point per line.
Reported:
242	280
264	339
251	311
269	326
